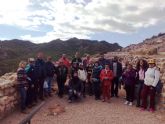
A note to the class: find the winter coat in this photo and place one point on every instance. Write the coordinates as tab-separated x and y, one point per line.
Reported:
119	68
66	62
72	71
40	71
152	77
129	77
62	72
50	69
96	72
21	77
106	77
30	71
75	84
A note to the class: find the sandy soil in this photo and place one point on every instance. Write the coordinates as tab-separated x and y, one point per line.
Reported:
90	111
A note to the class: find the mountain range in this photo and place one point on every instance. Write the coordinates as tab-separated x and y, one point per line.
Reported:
12	51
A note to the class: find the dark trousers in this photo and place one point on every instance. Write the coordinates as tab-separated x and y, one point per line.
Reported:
115	86
30	95
49	80
89	85
23	93
97	89
129	92
73	95
83	83
148	91
139	91
36	91
41	89
61	85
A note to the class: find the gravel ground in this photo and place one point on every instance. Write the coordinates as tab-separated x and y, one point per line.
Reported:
90	111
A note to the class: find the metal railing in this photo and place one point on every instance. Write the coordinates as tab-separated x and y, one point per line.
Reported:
27	119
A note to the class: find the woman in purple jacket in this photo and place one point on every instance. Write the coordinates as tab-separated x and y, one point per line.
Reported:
129	81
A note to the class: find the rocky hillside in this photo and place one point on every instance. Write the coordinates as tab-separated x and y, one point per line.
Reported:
12	51
150	46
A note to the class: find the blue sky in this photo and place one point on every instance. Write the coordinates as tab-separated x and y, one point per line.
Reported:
122	21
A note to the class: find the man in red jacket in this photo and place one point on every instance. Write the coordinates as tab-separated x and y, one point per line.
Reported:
65	60
106	77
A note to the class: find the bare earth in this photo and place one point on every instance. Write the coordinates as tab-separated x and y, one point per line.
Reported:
90	111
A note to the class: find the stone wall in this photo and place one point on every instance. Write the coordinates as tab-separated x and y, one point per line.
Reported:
8	94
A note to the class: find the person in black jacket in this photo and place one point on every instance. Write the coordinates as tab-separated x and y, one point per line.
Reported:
50	71
74	68
31	92
103	61
75	88
40	73
89	82
96	80
116	67
77	59
62	73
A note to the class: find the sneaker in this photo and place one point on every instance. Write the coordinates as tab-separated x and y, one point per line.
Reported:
69	101
126	102
130	104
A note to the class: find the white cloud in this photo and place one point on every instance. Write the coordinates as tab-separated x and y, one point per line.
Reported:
76	18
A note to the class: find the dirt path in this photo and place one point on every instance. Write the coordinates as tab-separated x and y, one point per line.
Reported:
90	112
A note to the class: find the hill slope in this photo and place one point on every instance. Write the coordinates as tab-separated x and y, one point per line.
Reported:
13	51
150	46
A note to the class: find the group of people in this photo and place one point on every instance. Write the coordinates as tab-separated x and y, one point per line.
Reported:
81	77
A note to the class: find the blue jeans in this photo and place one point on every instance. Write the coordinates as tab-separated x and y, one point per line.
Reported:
23	94
49	80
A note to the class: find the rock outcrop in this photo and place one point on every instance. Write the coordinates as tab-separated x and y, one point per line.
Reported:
8	94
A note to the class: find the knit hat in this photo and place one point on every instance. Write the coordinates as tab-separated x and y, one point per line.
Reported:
151	61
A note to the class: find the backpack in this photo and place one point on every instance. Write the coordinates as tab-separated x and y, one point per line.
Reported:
159	87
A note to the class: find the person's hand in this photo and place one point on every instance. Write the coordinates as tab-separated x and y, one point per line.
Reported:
26	88
75	91
151	88
32	85
79	94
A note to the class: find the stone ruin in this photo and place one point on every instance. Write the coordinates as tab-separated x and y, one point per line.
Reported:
160	61
8	94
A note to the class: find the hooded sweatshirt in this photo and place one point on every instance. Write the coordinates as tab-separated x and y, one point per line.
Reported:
152	77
